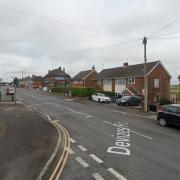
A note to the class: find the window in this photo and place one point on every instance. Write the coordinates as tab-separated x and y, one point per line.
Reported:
107	82
99	82
156	83
119	81
157	98
171	109
131	80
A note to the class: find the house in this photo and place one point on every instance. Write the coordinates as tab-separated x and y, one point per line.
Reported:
85	78
56	77
37	81
129	80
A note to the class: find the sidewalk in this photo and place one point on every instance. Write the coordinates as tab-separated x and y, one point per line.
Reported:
26	142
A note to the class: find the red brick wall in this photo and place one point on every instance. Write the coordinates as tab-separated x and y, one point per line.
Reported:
139	84
164	88
89	81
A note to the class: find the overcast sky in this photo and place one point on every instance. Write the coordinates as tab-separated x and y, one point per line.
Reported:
38	35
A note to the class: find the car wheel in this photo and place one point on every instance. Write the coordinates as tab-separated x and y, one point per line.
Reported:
162	121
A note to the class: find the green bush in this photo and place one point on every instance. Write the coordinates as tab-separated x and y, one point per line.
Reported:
164	101
82	91
60	89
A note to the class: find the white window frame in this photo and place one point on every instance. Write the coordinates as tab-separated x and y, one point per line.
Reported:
156	83
131	80
120	80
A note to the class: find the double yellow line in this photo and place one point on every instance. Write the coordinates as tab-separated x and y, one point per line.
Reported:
62	161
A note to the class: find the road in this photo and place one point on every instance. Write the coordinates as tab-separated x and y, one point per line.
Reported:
109	143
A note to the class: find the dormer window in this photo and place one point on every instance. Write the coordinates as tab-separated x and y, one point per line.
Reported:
131	80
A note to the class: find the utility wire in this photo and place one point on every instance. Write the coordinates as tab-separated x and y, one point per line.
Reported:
175	32
165	38
164	27
47	19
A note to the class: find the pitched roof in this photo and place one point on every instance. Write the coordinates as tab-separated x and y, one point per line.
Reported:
81	75
57	72
136	70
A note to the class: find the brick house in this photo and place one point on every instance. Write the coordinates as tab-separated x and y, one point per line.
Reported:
85	78
37	81
57	77
129	80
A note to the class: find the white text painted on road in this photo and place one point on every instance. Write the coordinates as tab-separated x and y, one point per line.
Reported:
122	144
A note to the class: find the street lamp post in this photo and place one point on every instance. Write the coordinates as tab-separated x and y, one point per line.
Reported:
179	87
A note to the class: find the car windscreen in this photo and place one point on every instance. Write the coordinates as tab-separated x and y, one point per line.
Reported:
102	95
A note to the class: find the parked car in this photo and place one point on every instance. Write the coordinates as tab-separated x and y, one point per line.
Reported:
9	91
169	114
129	101
99	97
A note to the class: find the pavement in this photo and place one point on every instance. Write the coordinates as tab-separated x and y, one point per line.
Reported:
26	143
111	142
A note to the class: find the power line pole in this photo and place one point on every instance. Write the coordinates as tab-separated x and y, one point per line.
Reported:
145	76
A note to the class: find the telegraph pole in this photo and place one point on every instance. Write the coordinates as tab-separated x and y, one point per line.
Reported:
145	76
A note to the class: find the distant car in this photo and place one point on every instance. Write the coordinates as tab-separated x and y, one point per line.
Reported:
129	101
99	97
9	91
169	114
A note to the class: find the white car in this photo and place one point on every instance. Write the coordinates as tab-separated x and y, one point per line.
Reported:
99	97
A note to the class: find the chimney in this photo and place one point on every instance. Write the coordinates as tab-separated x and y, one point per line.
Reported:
93	68
125	64
64	69
59	67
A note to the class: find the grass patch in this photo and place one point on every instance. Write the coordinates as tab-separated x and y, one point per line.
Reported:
2	128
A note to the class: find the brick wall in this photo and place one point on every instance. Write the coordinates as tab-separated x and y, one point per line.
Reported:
164	88
89	81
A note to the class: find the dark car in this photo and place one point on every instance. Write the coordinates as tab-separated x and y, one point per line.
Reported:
169	114
129	101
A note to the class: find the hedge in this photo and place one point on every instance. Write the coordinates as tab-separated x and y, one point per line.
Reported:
60	89
80	91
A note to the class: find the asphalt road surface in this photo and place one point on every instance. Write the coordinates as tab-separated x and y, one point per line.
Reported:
109	143
26	144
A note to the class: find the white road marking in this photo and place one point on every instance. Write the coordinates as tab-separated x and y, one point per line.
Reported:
72	140
82	148
97	159
137	133
71	151
82	162
116	174
89	116
55	121
141	135
125	113
97	176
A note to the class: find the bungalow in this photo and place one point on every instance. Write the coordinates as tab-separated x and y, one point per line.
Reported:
129	80
85	78
56	77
